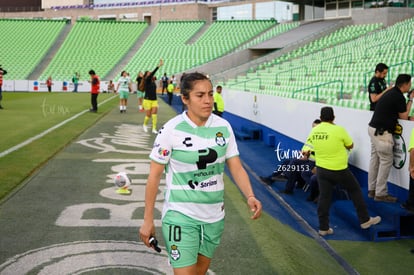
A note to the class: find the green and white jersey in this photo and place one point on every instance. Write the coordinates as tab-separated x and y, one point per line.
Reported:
124	84
195	158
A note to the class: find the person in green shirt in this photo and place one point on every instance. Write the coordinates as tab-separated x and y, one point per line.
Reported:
218	101
75	80
123	88
331	144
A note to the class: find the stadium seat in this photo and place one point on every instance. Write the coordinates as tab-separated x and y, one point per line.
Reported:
23	48
93	45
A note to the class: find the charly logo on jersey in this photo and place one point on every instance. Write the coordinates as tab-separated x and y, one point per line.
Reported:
220	140
187	142
175	253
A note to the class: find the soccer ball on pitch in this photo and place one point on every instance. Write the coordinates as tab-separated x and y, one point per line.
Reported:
122	180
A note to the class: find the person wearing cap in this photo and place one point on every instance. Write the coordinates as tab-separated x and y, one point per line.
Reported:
331	143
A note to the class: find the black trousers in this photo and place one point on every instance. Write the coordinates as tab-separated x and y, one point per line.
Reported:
327	180
410	199
170	97
94	101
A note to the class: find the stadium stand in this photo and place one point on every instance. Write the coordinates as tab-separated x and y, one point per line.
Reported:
167	41
226	35
313	72
97	45
316	72
174	46
298	73
22	47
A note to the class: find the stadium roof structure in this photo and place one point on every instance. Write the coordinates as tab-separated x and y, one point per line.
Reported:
109	4
317	3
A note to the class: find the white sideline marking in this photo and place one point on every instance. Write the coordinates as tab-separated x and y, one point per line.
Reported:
30	140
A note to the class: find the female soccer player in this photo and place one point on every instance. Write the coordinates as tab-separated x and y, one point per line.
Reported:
123	88
193	148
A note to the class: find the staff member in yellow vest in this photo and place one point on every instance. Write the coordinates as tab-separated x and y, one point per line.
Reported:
218	101
331	143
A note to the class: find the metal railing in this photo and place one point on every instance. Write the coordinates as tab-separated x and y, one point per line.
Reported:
335	58
244	82
291	73
341	90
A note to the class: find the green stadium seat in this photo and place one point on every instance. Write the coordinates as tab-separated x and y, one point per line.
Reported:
22	47
93	45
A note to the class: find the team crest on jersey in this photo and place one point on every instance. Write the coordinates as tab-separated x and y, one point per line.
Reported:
220	140
175	253
163	152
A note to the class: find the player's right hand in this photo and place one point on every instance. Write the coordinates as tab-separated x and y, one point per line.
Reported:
146	231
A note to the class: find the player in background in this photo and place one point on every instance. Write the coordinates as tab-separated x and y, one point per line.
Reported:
123	88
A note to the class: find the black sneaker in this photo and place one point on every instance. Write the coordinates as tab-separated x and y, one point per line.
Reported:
278	178
408	207
310	198
266	180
